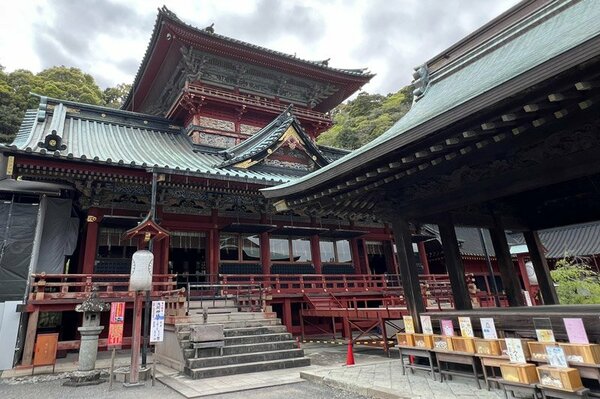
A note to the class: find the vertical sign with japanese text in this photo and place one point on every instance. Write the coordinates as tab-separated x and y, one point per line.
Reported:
115	329
157	326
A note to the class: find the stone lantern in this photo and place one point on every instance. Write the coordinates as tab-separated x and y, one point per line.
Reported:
88	349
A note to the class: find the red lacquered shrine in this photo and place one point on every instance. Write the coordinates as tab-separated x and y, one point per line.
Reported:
209	122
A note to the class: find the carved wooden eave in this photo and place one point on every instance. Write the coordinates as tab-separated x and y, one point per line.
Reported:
539	123
147	230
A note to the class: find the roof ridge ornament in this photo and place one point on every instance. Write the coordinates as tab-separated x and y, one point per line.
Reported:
210	28
420	81
53	141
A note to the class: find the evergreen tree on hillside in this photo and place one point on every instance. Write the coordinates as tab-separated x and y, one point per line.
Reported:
58	82
366	117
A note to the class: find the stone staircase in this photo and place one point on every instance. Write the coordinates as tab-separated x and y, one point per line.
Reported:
254	341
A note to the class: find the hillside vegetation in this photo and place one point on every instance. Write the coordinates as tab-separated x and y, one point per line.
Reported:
366	117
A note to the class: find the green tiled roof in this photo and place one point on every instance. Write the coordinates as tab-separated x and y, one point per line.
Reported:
560	26
100	135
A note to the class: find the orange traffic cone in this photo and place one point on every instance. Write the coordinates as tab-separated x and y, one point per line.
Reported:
350	355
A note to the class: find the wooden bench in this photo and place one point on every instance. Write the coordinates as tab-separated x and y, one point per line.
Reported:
464	358
417	352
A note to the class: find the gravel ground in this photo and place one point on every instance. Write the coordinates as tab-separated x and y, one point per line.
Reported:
303	390
51	388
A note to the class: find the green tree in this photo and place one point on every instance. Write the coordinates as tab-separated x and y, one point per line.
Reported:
365	118
58	82
115	96
576	282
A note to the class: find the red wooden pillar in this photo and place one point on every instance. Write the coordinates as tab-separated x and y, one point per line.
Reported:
365	266
91	239
523	270
265	253
287	314
213	247
315	252
165	247
355	255
423	257
213	254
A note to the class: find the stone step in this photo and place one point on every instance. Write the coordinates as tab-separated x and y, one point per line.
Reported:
213	311
256	339
246	367
232	324
236	332
253	357
249	348
246	339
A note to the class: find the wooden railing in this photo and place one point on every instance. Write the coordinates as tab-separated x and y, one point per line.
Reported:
436	289
79	286
318	283
256	102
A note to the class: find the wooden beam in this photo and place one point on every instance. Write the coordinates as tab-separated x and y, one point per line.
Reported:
408	270
454	265
540	266
510	281
30	335
587	85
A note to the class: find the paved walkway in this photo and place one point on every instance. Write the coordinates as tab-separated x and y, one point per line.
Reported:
375	375
385	380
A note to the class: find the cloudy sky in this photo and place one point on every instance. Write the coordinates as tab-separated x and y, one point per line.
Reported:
108	38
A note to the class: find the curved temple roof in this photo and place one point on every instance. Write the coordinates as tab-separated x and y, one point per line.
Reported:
256	147
165	16
475	80
73	131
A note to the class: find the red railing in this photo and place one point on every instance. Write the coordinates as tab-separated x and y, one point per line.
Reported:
256	102
77	286
317	283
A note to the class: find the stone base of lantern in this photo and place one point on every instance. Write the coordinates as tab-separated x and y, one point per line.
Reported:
83	378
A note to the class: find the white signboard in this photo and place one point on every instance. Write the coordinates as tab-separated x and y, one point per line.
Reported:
426	325
514	347
140	278
157	326
466	329
409	326
488	328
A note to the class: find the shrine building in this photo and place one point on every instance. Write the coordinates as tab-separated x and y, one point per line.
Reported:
217	139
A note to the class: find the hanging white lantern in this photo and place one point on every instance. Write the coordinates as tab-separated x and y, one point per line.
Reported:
531	273
142	264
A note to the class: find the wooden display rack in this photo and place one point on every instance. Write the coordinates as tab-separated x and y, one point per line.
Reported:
581	353
442	342
423	340
566	379
490	347
525	373
463	344
405	339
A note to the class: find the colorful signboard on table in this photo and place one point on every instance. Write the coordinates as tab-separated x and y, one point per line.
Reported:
543	329
488	328
556	356
576	331
514	347
466	328
115	328
447	328
426	324
409	325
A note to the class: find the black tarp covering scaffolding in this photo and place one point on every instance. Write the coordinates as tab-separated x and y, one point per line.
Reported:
17	232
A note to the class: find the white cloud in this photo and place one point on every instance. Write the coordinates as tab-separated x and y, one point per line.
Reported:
108	38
